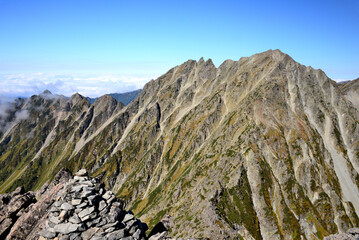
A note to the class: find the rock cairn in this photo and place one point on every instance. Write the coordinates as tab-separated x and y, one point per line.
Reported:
85	210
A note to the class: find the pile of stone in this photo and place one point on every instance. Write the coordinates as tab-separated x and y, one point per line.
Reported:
85	210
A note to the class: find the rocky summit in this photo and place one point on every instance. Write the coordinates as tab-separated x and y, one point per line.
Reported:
84	210
259	148
74	208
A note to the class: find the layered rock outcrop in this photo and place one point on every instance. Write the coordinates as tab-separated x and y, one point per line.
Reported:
12	207
30	213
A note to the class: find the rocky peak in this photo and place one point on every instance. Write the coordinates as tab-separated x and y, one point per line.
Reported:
48	95
78	99
201	61
105	98
209	62
46	92
107	102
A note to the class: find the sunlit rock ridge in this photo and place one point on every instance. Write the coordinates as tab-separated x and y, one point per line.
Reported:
260	148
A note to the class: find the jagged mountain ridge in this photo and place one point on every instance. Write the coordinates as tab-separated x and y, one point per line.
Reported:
262	147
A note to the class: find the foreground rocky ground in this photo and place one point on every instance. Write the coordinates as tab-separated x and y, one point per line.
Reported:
75	208
70	208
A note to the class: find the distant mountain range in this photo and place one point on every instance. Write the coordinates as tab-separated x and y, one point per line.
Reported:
125	98
260	148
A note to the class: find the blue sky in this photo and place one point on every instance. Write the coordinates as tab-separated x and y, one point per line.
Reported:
119	45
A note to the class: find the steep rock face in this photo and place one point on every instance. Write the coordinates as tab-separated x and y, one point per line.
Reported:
260	148
25	212
263	137
12	206
350	91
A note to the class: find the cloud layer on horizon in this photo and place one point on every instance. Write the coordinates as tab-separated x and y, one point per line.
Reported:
90	85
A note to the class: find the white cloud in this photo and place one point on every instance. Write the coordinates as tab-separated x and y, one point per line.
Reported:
21	115
340	80
8	107
92	85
